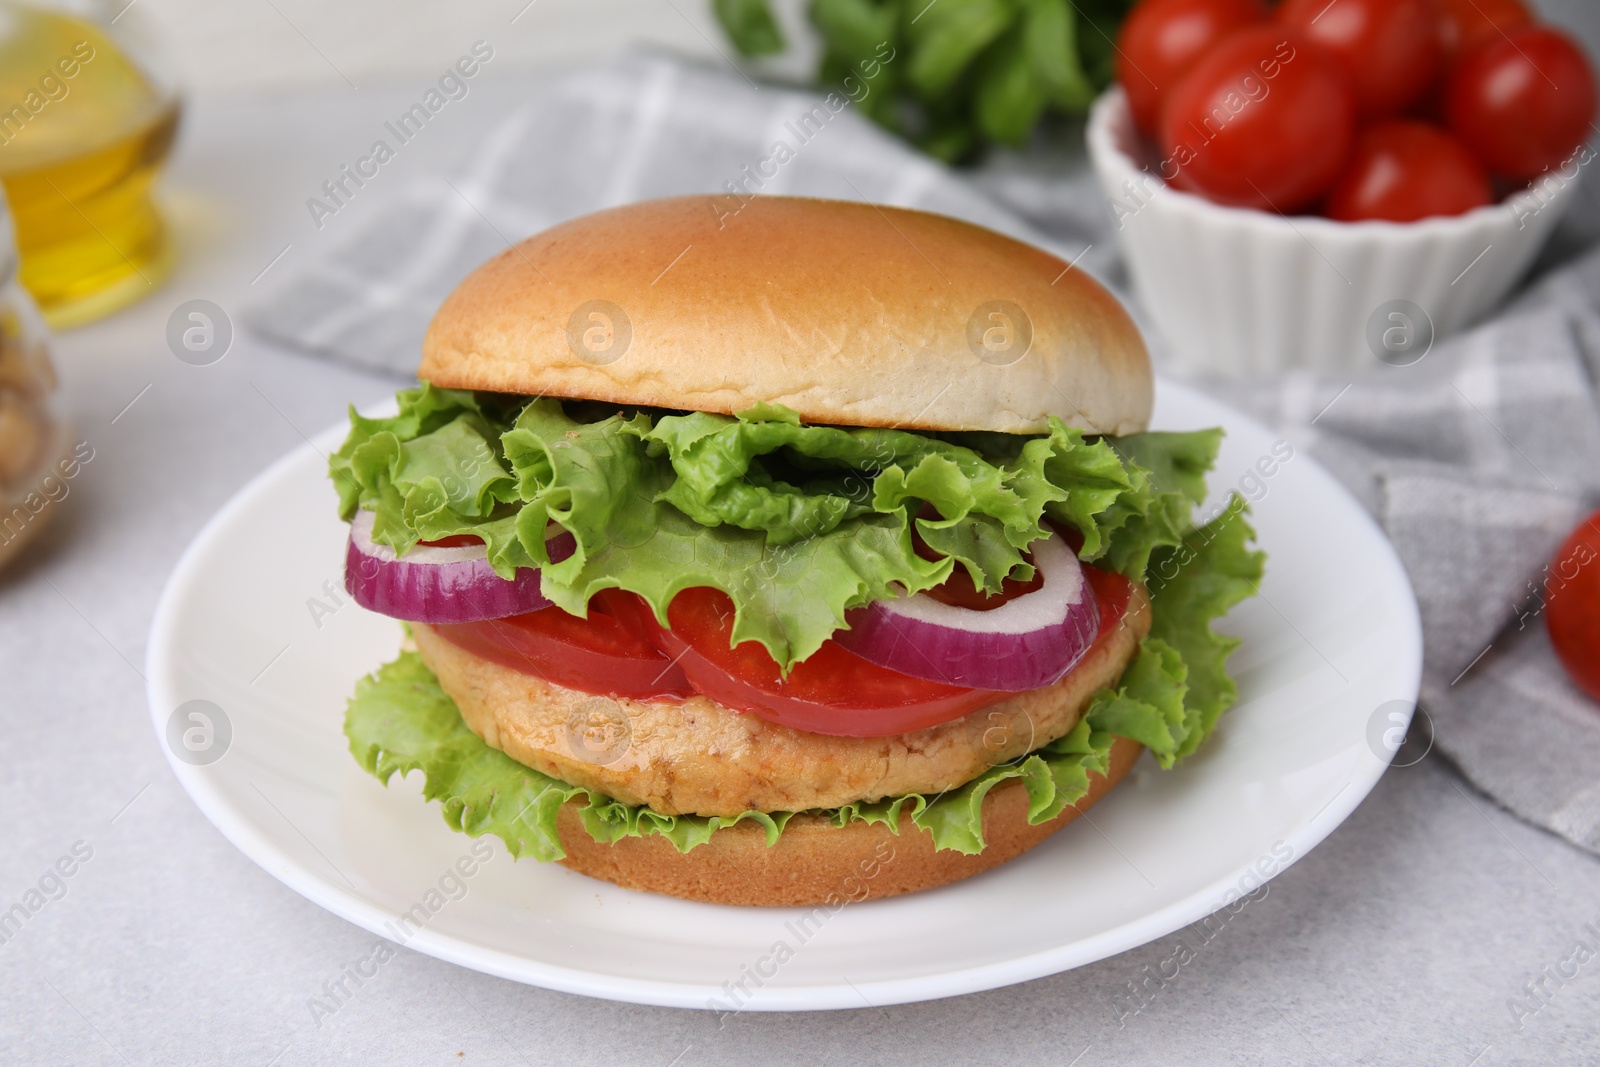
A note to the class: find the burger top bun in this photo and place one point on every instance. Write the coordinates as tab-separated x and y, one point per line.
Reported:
849	313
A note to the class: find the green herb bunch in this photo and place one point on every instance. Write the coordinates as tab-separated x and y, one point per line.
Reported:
960	74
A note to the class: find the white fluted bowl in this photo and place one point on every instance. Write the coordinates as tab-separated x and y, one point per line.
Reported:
1239	292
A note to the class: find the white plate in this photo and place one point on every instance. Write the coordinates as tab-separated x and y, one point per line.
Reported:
245	623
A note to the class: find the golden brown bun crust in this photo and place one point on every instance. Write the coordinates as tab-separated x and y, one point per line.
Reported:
706	759
817	863
849	313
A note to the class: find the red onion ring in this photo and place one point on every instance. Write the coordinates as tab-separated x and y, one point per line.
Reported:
1027	643
436	584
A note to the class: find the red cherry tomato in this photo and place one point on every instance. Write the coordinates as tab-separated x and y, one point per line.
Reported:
1522	103
610	652
1572	607
1161	39
1389	48
1466	24
1403	170
1263	121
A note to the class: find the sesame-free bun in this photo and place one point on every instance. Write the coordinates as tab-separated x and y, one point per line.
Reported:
817	863
849	313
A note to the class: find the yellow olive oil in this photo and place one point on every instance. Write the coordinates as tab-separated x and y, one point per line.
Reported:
83	133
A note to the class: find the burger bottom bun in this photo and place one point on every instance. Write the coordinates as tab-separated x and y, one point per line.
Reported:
816	863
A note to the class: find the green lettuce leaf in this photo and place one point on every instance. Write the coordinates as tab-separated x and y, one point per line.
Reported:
1166	479
435	469
798	524
1191	584
1147	704
1170	697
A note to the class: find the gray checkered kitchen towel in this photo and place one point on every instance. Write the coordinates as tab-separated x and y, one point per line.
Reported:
1477	460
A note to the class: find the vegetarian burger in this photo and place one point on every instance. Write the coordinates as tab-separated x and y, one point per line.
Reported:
810	551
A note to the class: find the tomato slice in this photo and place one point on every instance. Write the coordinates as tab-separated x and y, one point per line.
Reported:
608	653
834	691
621	651
1114	593
453	541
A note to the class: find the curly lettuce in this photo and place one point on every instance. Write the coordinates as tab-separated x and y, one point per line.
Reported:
798	524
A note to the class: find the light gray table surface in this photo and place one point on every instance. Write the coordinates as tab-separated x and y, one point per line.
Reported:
1401	939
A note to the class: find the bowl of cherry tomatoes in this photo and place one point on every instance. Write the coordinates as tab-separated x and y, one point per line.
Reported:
1321	182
